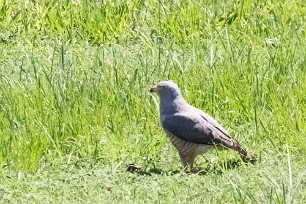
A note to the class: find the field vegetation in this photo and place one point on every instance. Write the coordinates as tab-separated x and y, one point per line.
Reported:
75	107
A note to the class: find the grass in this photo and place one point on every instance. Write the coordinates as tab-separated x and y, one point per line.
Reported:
75	107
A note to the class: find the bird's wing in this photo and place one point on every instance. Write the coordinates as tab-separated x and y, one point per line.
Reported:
211	120
193	127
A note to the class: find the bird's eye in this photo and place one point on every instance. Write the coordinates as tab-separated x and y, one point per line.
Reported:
161	88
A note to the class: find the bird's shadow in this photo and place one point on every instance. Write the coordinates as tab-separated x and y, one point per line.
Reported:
157	171
217	168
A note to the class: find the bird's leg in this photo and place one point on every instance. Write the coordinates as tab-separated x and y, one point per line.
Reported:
185	165
184	162
187	162
206	160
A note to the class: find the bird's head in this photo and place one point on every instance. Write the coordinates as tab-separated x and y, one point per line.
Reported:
171	99
166	89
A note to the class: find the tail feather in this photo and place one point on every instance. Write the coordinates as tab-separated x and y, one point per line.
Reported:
245	155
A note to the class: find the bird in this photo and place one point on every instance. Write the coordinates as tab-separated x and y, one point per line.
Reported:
192	131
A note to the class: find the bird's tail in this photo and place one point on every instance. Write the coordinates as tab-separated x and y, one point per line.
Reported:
245	155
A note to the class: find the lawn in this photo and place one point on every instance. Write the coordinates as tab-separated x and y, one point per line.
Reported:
75	107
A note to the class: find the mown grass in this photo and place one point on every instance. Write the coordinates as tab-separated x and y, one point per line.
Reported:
75	107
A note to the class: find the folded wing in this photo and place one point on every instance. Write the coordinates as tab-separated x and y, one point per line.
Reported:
197	128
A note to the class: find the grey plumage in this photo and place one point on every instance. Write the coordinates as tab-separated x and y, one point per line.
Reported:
191	130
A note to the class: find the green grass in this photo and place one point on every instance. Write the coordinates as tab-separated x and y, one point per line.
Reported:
75	107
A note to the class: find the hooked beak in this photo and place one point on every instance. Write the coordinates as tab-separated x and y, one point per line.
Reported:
154	89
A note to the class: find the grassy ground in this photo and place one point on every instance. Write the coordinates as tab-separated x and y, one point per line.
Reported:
75	107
